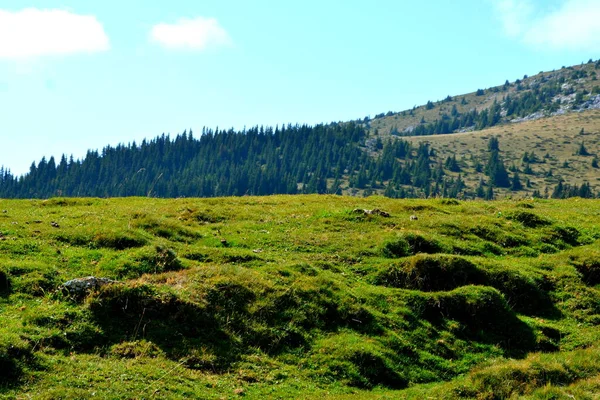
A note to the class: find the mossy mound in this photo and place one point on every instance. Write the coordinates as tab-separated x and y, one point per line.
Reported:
358	361
529	219
483	312
410	244
432	273
526	292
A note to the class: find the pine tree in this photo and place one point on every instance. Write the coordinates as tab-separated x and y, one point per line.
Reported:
582	151
516	183
489	193
481	189
496	171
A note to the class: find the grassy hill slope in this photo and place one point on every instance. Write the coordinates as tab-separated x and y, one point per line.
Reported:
578	79
554	141
299	297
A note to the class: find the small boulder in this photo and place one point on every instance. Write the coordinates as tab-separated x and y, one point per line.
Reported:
80	287
375	211
382	213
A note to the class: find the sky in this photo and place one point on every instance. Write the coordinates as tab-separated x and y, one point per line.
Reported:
78	75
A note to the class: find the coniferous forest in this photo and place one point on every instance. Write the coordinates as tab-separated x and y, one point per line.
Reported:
263	161
257	161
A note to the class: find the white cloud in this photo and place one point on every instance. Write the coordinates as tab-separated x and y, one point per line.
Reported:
32	32
574	25
514	15
196	34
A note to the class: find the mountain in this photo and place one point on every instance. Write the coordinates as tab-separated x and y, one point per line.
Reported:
546	127
546	94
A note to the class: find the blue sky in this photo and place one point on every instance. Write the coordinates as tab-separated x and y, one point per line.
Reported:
77	75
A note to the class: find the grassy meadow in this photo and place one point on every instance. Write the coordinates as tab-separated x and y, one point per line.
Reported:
300	297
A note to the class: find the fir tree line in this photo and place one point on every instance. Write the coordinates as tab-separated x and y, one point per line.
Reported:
264	161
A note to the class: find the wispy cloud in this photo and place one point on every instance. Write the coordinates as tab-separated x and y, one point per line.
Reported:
571	26
193	34
32	33
514	15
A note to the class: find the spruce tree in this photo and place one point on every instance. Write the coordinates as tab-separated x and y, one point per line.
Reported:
516	183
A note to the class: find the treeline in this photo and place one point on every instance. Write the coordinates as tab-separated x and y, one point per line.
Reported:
321	159
256	161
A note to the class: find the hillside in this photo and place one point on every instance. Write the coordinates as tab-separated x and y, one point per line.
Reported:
543	151
299	296
568	89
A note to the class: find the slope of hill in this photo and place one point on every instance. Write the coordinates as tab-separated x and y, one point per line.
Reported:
569	89
543	152
299	297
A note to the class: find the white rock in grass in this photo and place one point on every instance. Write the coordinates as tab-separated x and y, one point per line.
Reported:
82	286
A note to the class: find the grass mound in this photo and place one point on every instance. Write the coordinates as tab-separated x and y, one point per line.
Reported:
526	292
529	219
15	356
358	361
589	268
432	273
103	239
168	230
483	312
527	377
150	261
409	244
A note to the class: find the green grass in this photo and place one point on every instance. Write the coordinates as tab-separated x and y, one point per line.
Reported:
299	297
